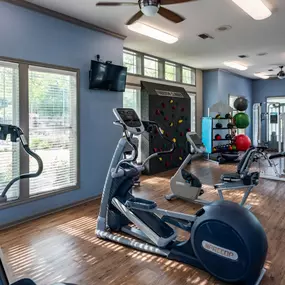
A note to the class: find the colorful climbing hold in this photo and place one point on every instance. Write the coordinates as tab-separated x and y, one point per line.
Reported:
171	101
180	158
157	112
188	130
155	149
182	109
167	163
181	134
174	140
163	105
180	121
171	124
173	107
162	113
160	159
165	118
162	131
167	135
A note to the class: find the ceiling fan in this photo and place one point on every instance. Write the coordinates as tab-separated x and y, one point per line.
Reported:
150	8
279	75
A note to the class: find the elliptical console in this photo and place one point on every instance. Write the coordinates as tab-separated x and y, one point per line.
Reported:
226	239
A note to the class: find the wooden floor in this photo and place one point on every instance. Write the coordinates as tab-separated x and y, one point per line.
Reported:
63	247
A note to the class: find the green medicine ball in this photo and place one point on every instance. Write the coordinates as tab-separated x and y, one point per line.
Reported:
241	120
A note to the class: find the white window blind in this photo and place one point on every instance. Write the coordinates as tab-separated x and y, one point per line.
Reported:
9	114
52	128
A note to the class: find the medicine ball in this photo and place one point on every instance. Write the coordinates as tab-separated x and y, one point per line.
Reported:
228	137
218	116
218	137
241	104
219	125
230	125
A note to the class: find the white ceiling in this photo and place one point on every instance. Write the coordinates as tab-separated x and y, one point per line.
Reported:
247	36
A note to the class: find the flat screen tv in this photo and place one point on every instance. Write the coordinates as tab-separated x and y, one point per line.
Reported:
107	76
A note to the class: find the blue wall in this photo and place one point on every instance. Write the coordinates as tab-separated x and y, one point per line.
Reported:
267	88
210	90
219	84
31	36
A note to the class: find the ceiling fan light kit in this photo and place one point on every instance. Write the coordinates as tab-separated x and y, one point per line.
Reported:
152	33
150	8
254	8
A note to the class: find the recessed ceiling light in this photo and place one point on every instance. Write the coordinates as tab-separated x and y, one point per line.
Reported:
152	33
262	54
261	75
235	65
224	28
254	8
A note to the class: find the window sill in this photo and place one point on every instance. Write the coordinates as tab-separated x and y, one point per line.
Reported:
35	197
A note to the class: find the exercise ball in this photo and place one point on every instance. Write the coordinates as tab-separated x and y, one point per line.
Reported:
241	104
242	142
241	120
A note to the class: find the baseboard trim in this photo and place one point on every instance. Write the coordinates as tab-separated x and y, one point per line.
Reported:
49	212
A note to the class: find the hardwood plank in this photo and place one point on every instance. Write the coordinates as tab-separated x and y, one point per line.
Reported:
63	246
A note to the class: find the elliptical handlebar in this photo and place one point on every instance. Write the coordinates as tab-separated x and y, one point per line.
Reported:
16	134
148	127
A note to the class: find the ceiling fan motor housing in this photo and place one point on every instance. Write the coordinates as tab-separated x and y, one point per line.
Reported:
149	7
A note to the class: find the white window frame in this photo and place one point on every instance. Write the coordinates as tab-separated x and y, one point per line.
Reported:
24	192
160	74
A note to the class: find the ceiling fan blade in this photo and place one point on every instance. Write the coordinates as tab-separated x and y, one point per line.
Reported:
138	15
169	2
169	15
116	4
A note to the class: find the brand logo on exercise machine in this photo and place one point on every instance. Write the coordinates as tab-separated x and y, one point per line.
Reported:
227	253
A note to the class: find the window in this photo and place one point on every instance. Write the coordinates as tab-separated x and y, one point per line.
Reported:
130	60
52	105
232	99
132	99
170	71
9	114
150	66
193	111
188	75
52	127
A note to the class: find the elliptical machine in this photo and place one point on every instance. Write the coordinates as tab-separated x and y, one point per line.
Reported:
16	134
226	239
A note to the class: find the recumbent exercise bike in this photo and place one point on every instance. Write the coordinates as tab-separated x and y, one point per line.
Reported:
226	239
185	185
